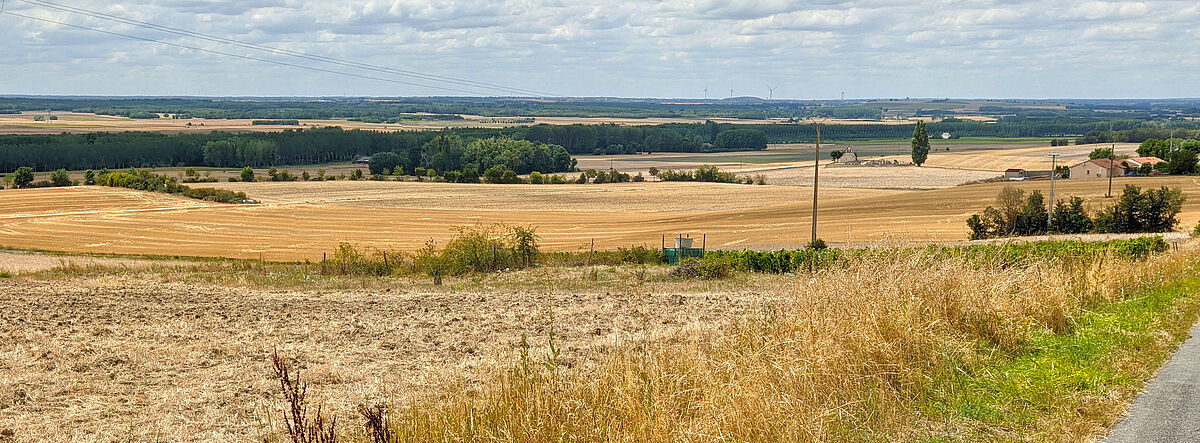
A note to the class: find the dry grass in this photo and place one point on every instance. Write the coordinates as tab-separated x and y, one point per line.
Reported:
402	216
846	355
182	352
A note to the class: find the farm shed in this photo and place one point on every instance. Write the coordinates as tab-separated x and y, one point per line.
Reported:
1097	168
1014	173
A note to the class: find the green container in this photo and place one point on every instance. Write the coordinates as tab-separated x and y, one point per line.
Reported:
676	255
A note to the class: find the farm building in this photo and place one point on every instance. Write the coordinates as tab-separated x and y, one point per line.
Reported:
1014	174
1097	168
1137	162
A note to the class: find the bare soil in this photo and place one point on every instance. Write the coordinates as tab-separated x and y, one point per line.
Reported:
133	358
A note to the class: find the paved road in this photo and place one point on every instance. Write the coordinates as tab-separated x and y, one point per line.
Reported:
1169	410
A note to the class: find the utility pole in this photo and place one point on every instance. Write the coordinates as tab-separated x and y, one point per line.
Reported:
816	172
1112	157
1053	171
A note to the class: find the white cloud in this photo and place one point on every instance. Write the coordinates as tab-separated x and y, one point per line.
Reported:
1010	48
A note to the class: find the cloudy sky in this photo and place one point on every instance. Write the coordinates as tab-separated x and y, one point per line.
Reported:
806	49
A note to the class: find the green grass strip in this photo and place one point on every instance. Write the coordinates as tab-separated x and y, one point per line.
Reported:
1066	386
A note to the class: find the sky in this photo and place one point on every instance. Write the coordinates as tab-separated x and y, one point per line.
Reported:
670	49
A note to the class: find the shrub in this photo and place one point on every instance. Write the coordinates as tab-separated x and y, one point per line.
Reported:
535	178
453	176
639	178
509	177
493	174
357	174
247	174
818	245
702	174
60	178
23	177
89	177
1196	230
305	176
1155	210
653	171
582	180
557	179
1071	218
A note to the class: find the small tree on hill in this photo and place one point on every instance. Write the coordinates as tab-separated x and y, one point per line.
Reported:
23	177
247	174
920	144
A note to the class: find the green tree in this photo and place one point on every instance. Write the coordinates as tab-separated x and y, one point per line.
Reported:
357	174
1071	218
60	178
89	177
535	178
1100	153
920	144
1156	210
23	177
493	174
384	162
247	174
1181	161
741	140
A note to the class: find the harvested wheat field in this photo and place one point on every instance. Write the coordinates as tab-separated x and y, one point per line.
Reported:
303	219
1028	158
145	357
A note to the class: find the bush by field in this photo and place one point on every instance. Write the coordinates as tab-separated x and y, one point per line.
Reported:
1136	211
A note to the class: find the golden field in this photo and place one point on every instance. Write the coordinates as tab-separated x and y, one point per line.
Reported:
302	220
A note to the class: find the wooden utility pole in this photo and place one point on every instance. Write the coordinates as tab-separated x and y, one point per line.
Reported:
1112	158
1053	170
816	171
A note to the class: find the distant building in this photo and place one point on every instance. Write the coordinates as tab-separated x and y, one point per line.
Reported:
364	160
848	158
1015	174
1137	162
1098	168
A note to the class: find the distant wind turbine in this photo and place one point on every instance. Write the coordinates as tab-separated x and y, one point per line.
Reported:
771	92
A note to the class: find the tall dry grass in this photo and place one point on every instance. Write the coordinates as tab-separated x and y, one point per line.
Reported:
847	356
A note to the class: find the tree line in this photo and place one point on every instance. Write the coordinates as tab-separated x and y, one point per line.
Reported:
1136	211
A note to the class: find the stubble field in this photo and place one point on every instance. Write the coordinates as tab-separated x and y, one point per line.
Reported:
303	220
160	355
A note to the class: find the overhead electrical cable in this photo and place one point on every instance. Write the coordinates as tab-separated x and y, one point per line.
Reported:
213	51
273	50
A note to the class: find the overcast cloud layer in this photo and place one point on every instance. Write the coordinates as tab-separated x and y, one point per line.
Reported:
814	49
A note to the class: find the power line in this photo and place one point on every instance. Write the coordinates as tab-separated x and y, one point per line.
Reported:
273	50
240	55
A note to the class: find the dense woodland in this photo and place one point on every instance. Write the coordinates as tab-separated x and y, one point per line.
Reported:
322	145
